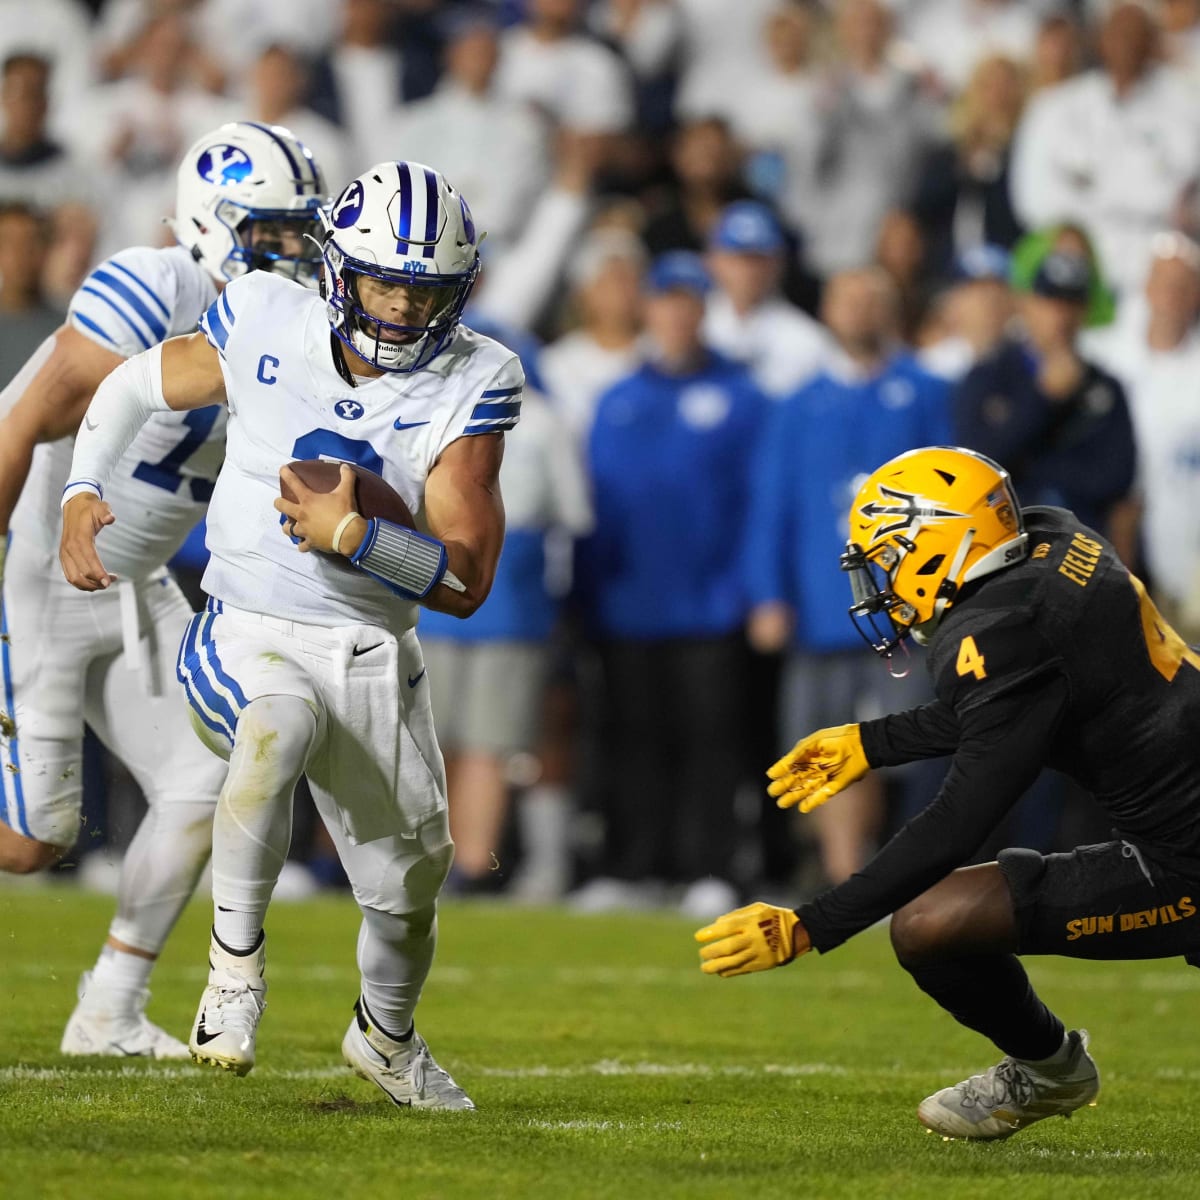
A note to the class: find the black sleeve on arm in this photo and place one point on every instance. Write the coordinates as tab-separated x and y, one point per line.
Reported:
926	732
1003	746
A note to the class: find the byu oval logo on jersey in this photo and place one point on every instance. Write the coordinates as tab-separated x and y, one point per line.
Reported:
349	410
348	205
224	165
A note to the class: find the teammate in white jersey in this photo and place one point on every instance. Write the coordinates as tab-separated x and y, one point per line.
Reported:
309	662
248	195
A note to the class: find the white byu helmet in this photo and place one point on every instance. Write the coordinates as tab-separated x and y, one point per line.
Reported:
249	197
404	229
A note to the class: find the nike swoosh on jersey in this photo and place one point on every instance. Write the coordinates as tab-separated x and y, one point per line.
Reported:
364	650
413	680
90	423
408	424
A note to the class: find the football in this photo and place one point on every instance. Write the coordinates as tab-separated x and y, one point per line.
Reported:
373	496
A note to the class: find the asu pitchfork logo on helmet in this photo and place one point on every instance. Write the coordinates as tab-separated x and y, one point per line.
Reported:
921	526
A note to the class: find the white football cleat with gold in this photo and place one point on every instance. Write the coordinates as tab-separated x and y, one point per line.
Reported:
108	1023
230	1008
1013	1094
406	1071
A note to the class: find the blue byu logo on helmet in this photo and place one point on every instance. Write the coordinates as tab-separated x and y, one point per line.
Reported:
348	205
224	164
349	410
468	221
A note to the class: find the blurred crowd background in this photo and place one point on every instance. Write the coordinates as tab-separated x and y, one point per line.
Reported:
747	251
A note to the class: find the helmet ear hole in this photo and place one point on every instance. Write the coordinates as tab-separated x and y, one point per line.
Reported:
931	566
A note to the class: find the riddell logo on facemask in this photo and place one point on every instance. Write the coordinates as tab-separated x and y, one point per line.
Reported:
771	934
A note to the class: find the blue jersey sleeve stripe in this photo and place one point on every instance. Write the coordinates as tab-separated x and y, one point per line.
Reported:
214	327
226	309
133	300
503	408
496	393
88	323
140	334
491	427
145	288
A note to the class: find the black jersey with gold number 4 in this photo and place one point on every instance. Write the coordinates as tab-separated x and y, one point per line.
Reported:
1130	732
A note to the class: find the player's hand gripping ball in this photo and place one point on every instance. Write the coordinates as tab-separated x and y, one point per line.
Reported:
326	502
818	767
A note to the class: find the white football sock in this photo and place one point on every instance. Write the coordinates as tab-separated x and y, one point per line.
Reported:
160	871
253	826
394	956
120	975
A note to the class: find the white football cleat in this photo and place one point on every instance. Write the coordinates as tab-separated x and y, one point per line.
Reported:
1013	1094
406	1071
105	1022
230	1008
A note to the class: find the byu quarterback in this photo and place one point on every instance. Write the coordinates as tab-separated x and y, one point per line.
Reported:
306	660
247	197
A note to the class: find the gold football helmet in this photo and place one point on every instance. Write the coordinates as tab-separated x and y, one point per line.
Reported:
922	526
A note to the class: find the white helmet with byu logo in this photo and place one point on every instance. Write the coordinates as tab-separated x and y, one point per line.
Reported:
402	233
249	197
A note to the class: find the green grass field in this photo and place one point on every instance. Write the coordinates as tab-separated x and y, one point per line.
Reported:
603	1064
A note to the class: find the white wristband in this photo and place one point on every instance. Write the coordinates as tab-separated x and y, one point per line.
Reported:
337	533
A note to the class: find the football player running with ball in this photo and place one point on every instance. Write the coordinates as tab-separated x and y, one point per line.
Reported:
248	198
309	662
1045	652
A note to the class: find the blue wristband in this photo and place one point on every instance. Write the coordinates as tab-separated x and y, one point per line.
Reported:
412	564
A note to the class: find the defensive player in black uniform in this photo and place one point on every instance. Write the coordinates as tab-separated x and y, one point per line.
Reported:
1044	651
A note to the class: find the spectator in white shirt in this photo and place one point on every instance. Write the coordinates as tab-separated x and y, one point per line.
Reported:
875	123
139	126
952	36
577	81
1154	349
605	278
278	84
746	317
38	172
377	64
775	114
59	32
494	149
723	54
1116	149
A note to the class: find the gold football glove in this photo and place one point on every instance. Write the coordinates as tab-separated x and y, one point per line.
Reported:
754	938
818	767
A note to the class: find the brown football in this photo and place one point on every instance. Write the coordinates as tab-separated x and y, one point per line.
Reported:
373	495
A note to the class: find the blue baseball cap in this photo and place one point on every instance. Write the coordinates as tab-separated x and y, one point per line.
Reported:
678	270
748	227
984	261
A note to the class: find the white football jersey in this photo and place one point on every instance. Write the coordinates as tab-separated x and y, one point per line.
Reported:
287	401
161	486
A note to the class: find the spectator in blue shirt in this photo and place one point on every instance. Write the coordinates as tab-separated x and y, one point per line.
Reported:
1059	423
871	403
670	457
